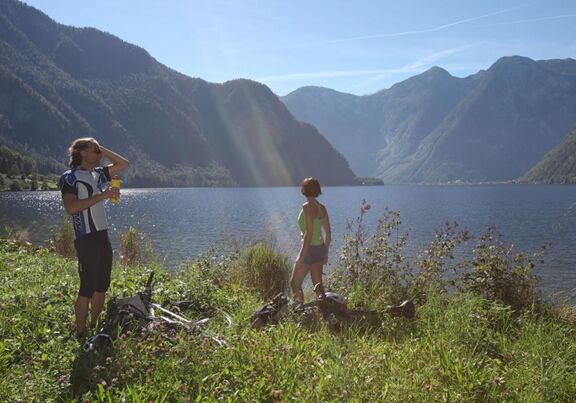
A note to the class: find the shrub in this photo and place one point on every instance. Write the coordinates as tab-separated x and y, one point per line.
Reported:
264	270
63	241
499	273
135	248
15	186
373	271
433	264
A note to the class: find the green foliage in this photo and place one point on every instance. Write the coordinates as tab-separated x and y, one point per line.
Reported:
374	271
146	173
460	348
136	248
434	263
13	163
263	269
15	185
502	274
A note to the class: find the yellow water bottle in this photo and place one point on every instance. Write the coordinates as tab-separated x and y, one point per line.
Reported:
115	185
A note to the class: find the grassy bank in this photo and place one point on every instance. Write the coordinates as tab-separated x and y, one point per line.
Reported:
461	346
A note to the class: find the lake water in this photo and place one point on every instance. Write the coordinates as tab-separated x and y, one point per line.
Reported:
185	222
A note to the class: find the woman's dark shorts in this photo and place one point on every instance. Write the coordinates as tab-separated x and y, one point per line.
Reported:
315	254
94	262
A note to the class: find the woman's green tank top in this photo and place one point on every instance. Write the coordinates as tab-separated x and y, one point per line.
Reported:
317	238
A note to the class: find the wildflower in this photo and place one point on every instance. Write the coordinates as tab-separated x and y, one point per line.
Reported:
103	382
108	360
181	387
62	379
276	393
28	375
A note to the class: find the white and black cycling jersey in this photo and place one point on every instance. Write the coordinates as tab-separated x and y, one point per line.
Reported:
84	184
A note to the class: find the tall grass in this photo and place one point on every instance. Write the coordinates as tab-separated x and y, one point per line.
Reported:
263	270
136	248
63	241
461	348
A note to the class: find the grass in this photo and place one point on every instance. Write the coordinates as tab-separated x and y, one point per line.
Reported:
460	347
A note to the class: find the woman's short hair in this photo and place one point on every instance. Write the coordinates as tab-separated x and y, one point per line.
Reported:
75	148
310	187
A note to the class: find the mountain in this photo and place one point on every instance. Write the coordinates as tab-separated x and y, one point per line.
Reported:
558	165
59	83
491	126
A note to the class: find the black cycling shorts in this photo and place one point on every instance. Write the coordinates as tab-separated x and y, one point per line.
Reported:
94	262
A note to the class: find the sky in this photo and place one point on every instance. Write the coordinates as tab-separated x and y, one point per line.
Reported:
357	47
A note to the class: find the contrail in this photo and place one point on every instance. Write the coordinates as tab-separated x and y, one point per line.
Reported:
405	33
418	64
379	73
319	74
553	17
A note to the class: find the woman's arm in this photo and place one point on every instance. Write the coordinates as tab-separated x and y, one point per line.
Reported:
307	233
327	232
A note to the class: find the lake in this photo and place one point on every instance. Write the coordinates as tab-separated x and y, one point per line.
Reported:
183	223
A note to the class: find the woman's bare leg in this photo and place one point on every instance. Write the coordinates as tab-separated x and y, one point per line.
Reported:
298	274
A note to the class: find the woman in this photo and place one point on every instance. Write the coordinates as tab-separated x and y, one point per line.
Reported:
314	251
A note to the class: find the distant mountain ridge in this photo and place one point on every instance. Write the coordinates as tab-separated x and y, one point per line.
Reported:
59	82
435	128
558	165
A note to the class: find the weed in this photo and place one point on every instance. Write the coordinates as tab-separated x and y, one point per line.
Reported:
135	248
499	273
262	269
63	241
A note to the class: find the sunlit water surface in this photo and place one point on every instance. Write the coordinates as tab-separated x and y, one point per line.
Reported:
183	223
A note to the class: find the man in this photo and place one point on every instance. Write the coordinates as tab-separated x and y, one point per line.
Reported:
84	189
